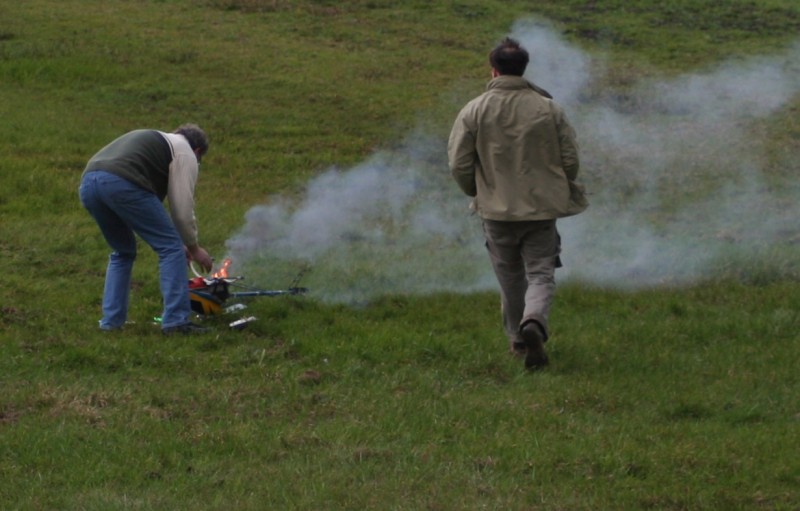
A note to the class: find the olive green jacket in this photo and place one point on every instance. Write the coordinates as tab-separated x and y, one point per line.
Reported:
514	151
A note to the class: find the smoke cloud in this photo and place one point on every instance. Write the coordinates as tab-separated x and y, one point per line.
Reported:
684	181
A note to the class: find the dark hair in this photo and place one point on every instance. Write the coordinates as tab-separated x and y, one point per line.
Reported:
509	58
197	137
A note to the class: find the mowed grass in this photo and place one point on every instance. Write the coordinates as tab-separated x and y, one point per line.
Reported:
668	398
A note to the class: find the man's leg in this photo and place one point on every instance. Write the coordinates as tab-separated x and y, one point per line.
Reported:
503	246
540	250
94	191
173	274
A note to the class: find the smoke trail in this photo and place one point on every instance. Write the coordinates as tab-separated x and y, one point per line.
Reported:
685	181
678	170
394	224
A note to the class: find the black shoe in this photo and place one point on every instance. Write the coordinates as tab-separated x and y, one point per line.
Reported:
536	357
185	329
518	349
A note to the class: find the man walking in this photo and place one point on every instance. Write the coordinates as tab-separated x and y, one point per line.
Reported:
123	187
513	150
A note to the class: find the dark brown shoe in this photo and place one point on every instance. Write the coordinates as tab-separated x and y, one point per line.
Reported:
536	357
518	349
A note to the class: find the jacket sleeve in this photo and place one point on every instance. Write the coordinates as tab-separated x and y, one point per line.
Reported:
568	144
462	155
183	173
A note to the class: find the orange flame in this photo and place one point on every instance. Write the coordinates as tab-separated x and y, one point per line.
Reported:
223	272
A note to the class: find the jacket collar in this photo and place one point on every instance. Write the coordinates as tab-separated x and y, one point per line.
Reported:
511	82
508	82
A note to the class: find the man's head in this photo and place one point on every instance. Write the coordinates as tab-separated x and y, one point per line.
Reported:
509	58
196	137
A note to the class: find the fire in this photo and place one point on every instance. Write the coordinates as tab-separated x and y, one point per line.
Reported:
223	272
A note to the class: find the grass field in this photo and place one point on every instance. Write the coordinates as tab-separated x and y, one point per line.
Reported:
673	383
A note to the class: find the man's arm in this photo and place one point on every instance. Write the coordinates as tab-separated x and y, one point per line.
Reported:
568	143
462	156
182	180
183	173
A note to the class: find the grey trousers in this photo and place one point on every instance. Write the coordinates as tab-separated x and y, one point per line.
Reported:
524	256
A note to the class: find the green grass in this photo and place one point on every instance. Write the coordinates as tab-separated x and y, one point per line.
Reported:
667	397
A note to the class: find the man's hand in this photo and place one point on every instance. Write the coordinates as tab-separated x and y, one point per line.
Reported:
199	255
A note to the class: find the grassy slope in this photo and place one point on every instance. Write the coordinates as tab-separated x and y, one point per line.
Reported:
682	399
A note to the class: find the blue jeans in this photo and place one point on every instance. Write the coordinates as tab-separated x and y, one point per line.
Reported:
121	209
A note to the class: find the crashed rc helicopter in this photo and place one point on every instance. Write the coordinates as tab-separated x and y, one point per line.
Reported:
209	294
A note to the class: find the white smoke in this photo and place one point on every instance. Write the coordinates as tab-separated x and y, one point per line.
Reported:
680	171
394	224
677	171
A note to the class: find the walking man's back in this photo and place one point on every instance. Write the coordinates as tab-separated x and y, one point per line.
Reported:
513	150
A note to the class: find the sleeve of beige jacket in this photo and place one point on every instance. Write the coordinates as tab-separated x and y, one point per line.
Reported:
462	155
183	172
568	142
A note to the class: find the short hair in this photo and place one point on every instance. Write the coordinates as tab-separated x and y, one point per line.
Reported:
195	136
509	58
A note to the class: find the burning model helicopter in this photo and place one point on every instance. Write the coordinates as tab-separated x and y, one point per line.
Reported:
209	294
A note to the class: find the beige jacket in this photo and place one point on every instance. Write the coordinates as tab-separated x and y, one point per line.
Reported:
514	151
